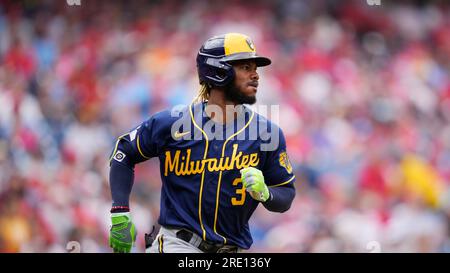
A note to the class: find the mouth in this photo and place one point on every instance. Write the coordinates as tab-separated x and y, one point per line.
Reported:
254	85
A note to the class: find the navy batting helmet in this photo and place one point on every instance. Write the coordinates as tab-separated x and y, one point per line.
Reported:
215	55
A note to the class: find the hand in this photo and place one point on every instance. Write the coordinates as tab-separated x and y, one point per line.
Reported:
122	234
253	181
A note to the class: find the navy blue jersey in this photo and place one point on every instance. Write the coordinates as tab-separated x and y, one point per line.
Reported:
202	189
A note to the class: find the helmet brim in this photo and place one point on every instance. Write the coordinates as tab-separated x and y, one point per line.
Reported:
260	60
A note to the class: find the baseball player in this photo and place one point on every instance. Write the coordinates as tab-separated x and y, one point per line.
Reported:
210	185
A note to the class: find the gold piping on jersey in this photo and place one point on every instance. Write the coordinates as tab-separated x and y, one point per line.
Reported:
282	183
139	149
203	175
220	174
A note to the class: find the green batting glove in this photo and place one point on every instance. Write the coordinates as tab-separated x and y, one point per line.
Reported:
122	234
253	181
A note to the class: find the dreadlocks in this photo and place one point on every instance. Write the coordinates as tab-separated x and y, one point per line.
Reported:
203	93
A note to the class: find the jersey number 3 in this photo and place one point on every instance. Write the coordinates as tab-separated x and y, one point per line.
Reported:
239	191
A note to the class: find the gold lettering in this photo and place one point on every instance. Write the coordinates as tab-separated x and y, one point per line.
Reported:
192	167
212	164
170	165
186	166
179	171
244	162
202	165
234	158
199	166
224	165
254	160
220	163
188	170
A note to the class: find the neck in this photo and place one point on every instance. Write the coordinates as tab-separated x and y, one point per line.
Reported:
216	108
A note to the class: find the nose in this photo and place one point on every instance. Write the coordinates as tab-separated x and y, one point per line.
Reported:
254	76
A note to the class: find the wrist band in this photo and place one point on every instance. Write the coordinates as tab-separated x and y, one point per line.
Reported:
120	209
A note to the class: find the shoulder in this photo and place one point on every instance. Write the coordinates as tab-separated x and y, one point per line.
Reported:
266	125
269	133
166	118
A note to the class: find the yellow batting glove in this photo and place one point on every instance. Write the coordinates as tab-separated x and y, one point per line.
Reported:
122	234
253	181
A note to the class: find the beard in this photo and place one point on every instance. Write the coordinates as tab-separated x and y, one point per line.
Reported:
235	95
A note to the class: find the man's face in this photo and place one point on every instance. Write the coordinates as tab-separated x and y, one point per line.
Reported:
245	85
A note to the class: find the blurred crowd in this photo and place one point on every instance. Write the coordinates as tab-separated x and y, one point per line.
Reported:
364	95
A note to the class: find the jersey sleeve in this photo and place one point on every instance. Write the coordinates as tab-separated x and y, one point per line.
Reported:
277	168
140	144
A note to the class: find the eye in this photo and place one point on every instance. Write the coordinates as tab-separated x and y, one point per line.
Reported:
246	67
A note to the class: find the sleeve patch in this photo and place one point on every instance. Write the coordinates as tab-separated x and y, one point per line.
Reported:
284	162
119	156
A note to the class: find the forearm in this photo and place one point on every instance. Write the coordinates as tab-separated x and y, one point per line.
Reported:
121	179
280	199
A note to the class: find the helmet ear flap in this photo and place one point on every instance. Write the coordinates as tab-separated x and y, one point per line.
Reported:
219	73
